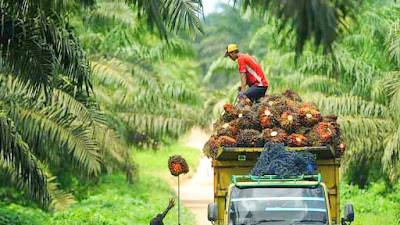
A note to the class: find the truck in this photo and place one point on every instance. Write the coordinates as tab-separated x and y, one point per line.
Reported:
240	198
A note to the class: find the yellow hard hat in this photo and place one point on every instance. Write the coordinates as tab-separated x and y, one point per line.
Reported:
231	48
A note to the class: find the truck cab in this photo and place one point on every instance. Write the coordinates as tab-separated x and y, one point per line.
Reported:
242	199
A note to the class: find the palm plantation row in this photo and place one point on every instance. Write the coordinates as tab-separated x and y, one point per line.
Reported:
81	81
64	112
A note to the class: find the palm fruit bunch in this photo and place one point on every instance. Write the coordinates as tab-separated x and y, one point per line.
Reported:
219	123
340	147
226	141
290	121
280	106
298	140
248	120
309	116
271	100
332	119
177	165
282	118
313	137
210	148
268	118
249	138
274	135
226	130
230	112
325	131
292	95
292	104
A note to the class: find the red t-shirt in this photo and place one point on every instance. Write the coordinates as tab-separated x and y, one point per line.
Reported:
253	70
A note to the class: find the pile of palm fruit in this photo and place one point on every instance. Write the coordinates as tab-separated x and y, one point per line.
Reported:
280	118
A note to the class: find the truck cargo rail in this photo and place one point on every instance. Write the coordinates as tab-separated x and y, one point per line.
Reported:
275	180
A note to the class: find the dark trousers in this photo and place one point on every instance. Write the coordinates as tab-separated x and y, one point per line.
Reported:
255	92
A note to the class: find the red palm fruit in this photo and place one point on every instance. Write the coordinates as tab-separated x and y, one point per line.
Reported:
177	165
225	141
298	140
326	131
292	104
224	130
275	135
290	121
267	117
248	138
309	116
210	148
342	147
248	120
313	137
231	112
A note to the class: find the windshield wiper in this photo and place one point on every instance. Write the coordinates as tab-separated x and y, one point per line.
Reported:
266	221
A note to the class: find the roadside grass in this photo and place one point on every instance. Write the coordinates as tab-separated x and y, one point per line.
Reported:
377	204
113	201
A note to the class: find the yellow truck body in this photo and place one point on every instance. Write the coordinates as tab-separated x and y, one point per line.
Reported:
240	161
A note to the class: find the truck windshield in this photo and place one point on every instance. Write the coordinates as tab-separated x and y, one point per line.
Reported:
278	206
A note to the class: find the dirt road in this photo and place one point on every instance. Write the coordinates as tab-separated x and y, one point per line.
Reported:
197	192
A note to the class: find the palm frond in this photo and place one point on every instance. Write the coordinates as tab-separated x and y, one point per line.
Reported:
48	126
170	15
60	200
14	151
391	155
319	20
348	105
156	125
322	84
392	41
220	63
48	48
184	14
112	72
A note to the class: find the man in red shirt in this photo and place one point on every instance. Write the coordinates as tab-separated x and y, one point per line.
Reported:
251	74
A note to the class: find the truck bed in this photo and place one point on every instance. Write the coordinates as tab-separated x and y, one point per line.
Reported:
240	161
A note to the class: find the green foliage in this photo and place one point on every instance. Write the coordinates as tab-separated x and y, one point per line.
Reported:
50	122
312	20
18	215
147	87
112	202
377	204
171	15
116	202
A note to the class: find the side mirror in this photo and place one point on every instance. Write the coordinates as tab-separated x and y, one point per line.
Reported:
349	212
213	212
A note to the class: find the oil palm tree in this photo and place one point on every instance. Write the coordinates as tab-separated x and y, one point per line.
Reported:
318	20
49	118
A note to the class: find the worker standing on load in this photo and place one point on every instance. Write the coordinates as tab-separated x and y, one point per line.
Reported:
251	74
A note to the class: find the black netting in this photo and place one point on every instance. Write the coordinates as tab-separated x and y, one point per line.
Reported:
275	160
